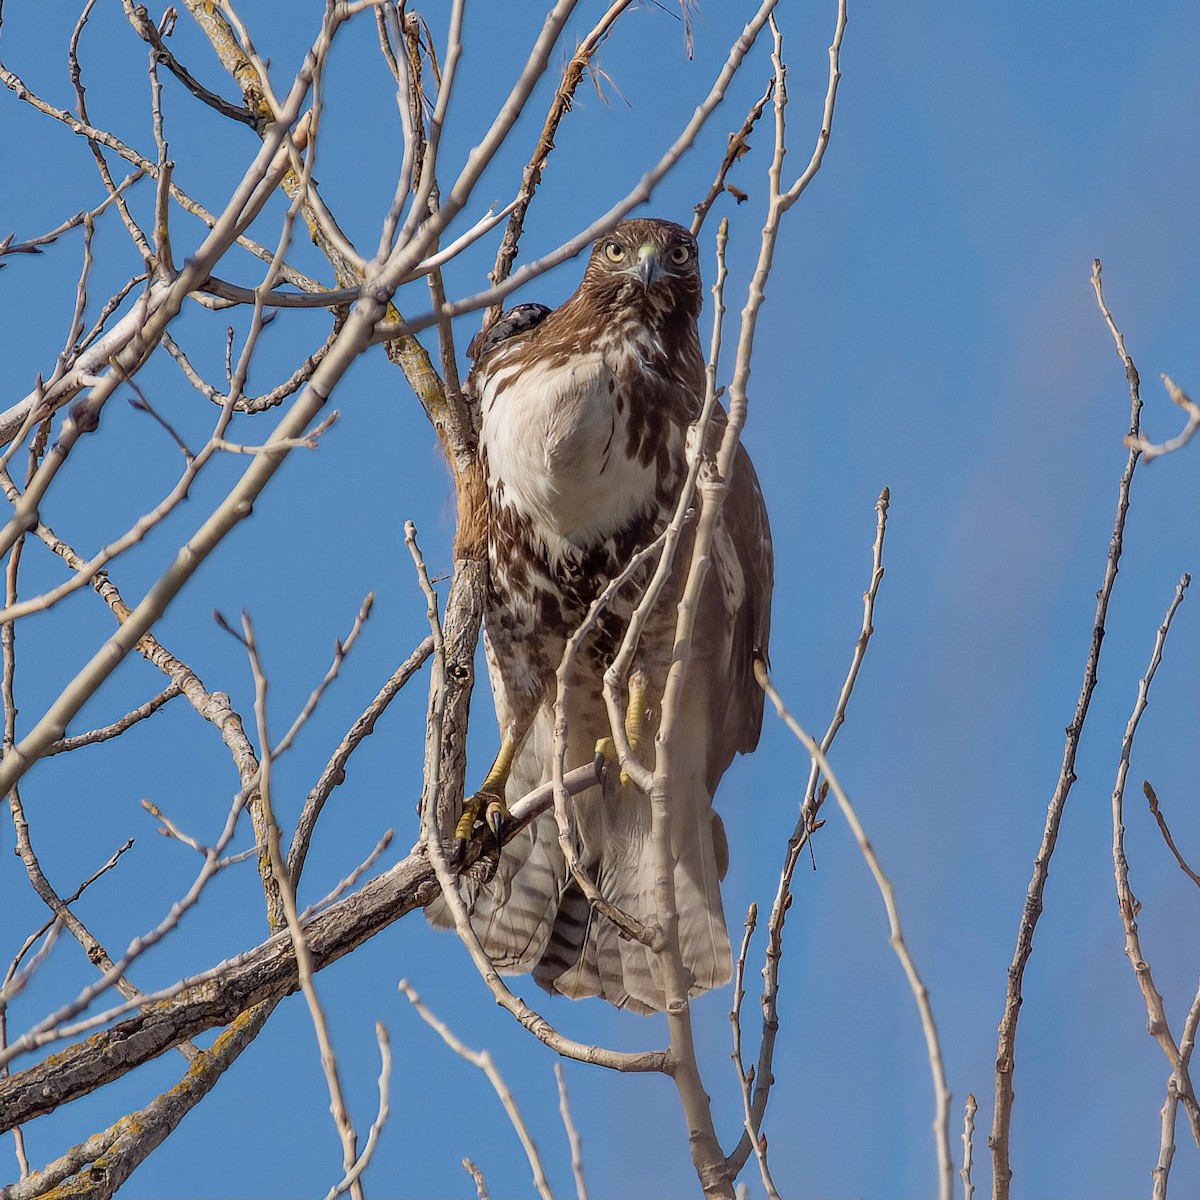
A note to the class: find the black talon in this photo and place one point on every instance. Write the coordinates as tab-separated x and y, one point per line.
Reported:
495	821
464	829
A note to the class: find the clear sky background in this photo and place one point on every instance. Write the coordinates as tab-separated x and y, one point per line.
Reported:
930	327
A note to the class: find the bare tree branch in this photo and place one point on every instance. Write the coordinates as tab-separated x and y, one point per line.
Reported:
98	1167
941	1120
287	894
33	245
1158	1025
148	32
998	1140
335	770
745	1079
968	1141
267	972
814	797
1178	396
739	145
483	1060
573	1139
95	736
1156	813
532	175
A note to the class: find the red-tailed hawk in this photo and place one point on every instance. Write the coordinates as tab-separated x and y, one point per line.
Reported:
584	421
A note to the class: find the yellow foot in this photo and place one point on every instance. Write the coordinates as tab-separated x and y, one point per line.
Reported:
606	750
485	806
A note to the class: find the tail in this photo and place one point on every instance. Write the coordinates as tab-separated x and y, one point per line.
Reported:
533	917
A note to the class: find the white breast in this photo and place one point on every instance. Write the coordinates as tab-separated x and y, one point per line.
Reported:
557	442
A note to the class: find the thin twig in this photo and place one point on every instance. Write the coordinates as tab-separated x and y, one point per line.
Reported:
95	736
309	440
483	1060
110	306
1006	1048
1156	812
214	707
163	263
20	978
573	1139
148	32
941	1120
340	650
1156	1013
304	961
170	829
745	1079
194	464
807	824
739	145
141	404
76	73
351	1178
968	1141
532	175
1151	451
33	245
249	404
481	1190
112	861
344	885
1166	1148
335	769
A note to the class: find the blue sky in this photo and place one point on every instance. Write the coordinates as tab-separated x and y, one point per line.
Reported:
930	327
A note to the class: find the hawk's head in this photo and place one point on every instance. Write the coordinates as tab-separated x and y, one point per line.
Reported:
646	265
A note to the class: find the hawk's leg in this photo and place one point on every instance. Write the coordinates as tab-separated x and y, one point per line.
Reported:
635	720
487	804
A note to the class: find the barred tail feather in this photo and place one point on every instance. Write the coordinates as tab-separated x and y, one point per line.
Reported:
587	955
532	917
513	913
627	879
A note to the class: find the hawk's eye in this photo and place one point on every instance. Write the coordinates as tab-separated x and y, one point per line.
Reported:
680	254
614	252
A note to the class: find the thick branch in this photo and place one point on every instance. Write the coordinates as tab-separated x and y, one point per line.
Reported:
267	972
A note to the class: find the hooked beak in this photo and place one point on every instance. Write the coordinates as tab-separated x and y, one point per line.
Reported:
648	270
